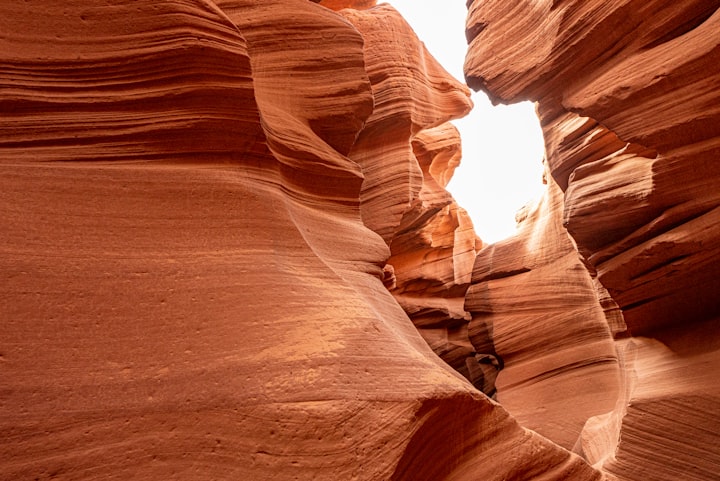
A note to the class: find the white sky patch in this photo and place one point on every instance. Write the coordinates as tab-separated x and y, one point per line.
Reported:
501	169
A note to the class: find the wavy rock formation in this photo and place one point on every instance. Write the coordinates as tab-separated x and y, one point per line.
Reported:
228	252
538	300
432	255
629	103
198	203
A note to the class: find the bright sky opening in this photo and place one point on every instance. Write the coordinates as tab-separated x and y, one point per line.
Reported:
501	168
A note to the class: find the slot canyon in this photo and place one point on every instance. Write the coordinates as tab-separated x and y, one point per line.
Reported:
228	251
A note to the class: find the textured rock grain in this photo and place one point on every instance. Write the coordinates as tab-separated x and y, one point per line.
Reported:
548	328
190	289
628	98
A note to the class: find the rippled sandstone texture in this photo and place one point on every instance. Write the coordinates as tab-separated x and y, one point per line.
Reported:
629	100
203	205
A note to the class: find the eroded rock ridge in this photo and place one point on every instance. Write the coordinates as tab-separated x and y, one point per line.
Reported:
203	205
628	98
228	251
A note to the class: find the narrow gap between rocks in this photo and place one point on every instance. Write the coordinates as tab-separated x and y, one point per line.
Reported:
503	148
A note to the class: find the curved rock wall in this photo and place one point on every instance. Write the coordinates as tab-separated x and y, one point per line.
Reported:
627	93
432	255
549	331
198	203
228	252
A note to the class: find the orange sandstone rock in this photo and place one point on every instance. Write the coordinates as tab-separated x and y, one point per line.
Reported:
340	4
628	100
432	256
412	92
663	205
549	331
189	286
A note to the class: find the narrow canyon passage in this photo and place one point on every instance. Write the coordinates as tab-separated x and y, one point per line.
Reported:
229	251
502	145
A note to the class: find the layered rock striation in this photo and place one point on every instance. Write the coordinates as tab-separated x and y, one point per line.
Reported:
627	93
548	329
228	251
202	206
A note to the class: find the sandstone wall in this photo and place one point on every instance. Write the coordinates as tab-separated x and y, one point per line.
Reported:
627	93
198	202
228	252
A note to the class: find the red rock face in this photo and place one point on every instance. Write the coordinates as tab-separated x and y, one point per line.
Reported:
628	98
197	217
340	4
432	255
548	328
228	252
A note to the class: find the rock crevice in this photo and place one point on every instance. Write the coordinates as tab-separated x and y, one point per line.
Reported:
627	97
228	251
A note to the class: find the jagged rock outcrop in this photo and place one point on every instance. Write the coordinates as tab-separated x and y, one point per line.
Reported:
628	97
196	224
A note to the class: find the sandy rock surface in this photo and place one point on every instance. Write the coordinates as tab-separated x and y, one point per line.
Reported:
228	252
628	98
198	202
